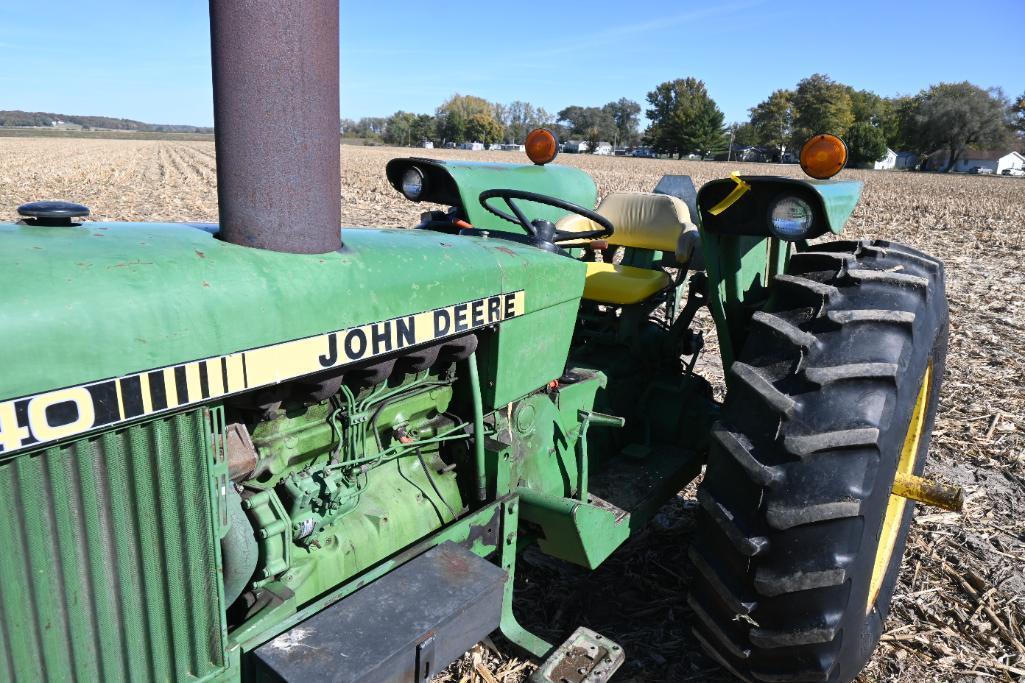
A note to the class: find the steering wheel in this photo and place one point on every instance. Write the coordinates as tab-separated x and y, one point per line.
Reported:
542	230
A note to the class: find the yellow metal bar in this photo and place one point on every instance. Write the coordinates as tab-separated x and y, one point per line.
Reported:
930	492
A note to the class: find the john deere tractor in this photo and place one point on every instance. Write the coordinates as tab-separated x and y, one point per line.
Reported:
273	449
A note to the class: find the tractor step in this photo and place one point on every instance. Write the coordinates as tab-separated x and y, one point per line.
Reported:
403	628
642	485
585	657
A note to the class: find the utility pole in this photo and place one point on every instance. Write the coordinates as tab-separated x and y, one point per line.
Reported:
729	150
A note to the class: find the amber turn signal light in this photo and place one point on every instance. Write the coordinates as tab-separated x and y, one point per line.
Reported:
823	156
542	146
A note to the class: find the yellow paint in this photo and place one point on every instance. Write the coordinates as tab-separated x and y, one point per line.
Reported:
896	504
622	285
40	426
193	386
928	491
11	434
739	191
236	377
170	388
214	377
147	397
120	400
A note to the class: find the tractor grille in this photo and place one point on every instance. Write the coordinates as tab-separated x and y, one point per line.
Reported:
108	564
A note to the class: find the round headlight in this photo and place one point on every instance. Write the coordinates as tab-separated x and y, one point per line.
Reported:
791	218
413	183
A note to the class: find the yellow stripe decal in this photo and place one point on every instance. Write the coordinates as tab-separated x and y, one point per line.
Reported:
30	421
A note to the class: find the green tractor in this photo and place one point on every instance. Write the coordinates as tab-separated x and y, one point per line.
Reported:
272	450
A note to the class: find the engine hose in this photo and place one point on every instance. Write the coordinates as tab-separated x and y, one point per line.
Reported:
478	428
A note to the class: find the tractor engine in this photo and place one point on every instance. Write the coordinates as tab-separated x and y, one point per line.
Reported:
331	474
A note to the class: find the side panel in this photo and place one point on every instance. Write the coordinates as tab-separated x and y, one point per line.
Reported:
110	562
526	354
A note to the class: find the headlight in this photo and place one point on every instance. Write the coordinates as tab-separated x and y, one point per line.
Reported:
413	183
791	218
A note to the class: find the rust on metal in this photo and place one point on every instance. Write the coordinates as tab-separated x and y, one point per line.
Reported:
242	454
275	78
928	491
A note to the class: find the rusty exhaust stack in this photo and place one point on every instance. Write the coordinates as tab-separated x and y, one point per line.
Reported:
275	77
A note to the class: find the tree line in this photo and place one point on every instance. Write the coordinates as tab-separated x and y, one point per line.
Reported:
467	118
685	120
43	119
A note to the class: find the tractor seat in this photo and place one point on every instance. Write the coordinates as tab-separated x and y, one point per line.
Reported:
642	220
612	283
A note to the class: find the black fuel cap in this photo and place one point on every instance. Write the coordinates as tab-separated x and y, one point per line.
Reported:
52	213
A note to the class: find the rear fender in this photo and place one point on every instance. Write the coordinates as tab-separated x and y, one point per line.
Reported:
742	255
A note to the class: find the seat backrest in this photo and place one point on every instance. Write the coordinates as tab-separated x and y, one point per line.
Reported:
643	220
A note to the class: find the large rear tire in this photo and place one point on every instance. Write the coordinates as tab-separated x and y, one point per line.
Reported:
799	540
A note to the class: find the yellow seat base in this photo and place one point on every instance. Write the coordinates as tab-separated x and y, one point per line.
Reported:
611	283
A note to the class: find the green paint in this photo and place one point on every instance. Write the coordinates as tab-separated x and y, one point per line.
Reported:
470	526
577	532
470	178
110	565
108	299
839	197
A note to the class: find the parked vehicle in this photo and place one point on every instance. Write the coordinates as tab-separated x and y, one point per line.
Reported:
1014	171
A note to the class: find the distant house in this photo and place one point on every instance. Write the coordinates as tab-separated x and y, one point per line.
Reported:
742	153
906	160
472	146
575	146
514	148
603	148
888	162
427	144
993	159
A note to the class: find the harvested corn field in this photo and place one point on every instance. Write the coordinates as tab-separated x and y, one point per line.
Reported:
959	612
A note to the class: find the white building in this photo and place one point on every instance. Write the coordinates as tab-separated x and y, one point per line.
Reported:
472	146
514	148
994	160
603	148
575	147
888	162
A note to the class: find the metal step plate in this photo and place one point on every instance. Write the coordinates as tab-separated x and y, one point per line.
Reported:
585	657
403	628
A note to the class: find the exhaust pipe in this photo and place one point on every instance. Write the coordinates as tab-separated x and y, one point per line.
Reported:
275	80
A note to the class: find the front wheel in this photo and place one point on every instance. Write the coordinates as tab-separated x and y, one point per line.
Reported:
834	392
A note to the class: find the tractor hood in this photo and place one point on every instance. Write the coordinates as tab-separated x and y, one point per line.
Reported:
459	184
103	300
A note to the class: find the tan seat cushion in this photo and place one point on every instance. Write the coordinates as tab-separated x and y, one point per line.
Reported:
643	220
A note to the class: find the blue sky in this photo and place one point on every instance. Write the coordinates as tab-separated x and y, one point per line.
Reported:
149	60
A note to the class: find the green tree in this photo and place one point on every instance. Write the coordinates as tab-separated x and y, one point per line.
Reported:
398	129
455	113
1018	114
591	124
684	119
483	128
773	121
821	105
626	114
866	143
954	117
744	134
